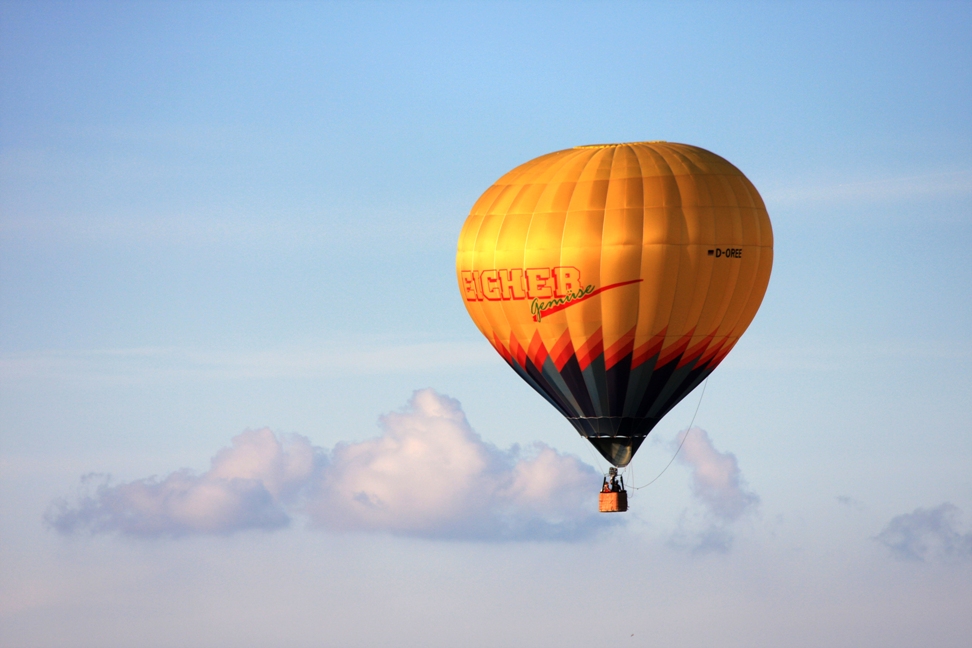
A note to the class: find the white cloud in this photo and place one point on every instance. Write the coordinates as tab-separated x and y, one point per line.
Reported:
927	534
428	475
717	481
247	487
718	485
431	475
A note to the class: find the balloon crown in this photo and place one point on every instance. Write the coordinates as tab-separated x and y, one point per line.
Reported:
593	146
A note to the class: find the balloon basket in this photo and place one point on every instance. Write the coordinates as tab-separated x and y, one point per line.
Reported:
614	502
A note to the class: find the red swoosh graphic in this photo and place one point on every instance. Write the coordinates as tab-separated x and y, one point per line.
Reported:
560	307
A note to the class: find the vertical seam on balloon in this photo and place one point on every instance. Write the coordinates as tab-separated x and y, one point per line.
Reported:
689	162
714	218
712	351
600	256
499	230
573	181
708	292
662	149
562	350
591	154
622	347
526	237
638	303
649	349
502	307
749	294
749	291
602	395
735	283
644	353
695	353
476	304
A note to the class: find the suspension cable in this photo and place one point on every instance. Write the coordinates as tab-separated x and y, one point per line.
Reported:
682	442
594	456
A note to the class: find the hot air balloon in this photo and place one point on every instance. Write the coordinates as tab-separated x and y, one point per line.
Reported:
614	278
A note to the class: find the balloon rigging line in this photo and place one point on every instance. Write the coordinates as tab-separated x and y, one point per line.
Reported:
684	436
594	456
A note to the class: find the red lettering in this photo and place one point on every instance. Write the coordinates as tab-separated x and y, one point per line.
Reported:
469	285
567	280
511	283
491	285
478	284
537	286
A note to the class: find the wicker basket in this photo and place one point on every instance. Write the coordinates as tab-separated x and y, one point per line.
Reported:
614	502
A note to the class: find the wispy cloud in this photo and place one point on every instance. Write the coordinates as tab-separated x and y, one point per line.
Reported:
120	195
836	356
850	502
927	185
359	356
927	534
717	481
718	485
428	475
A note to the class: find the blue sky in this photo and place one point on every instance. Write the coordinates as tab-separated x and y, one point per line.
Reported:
227	243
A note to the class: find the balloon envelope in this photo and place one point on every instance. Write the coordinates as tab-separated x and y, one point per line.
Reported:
614	278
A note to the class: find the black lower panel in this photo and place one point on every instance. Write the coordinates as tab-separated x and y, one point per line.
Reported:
574	379
617	450
602	396
617	438
659	378
617	384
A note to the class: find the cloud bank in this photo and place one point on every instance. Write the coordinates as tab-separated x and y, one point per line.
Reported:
428	475
249	485
718	485
927	534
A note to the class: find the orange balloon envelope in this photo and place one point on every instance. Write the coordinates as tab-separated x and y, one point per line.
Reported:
614	278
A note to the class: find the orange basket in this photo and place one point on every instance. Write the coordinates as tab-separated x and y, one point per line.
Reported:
614	502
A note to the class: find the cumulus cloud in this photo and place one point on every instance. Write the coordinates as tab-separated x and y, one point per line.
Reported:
717	481
718	485
428	475
248	486
927	534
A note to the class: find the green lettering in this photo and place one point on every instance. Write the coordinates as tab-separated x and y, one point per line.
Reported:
537	307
